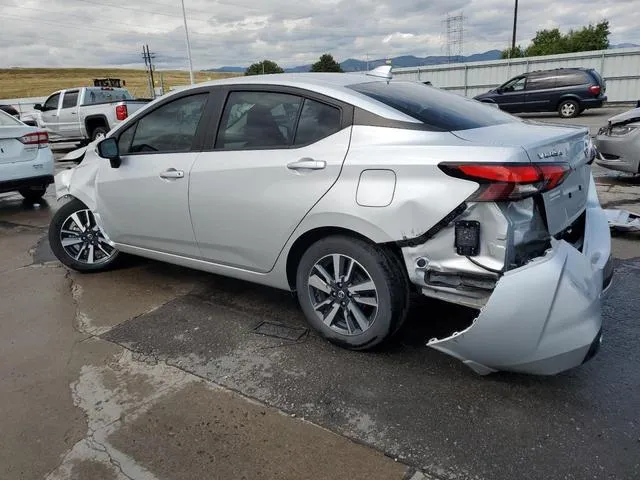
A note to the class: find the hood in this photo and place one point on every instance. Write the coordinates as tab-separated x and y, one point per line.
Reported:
626	117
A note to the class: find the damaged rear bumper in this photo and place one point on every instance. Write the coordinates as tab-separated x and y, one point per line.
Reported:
544	317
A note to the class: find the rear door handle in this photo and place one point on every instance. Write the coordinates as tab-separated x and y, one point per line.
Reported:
172	173
307	164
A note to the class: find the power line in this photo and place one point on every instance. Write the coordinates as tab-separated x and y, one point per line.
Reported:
138	10
61	24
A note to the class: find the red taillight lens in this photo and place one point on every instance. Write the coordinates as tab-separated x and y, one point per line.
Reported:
41	139
500	182
121	112
595	89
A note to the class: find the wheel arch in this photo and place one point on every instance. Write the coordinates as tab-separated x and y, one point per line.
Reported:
94	121
569	96
309	237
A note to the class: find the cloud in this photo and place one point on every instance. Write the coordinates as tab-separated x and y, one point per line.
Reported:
239	32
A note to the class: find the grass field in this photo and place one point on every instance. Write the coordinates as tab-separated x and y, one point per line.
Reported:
39	82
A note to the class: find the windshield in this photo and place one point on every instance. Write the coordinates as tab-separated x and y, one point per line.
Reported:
436	108
104	95
7	120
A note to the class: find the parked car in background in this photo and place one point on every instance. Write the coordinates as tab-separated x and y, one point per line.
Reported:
618	143
26	161
83	114
354	191
569	91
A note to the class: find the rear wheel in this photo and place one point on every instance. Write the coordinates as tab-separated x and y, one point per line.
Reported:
568	109
77	241
33	194
98	132
355	294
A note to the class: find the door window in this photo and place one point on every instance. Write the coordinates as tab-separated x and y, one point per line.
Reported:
257	120
541	82
515	85
70	99
52	102
169	128
317	121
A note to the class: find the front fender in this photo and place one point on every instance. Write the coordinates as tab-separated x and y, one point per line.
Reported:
80	181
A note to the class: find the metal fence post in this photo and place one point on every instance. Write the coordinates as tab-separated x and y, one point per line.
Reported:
466	76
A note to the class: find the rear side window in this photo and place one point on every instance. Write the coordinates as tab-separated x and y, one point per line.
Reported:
70	99
571	79
597	77
439	110
258	120
540	82
317	121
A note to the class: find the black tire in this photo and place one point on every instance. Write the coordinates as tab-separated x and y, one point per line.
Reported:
386	272
33	194
99	131
569	109
81	263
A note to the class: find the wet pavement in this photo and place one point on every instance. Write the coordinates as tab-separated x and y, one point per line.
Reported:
154	371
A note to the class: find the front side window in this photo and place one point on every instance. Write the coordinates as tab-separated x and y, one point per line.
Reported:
317	121
437	109
70	99
52	102
257	120
515	85
169	128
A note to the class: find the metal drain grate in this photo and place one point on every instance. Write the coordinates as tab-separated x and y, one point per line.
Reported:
278	330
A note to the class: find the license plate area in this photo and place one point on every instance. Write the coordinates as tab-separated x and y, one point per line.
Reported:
564	204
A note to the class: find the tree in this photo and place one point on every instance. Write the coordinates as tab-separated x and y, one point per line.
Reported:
326	64
551	42
517	52
264	67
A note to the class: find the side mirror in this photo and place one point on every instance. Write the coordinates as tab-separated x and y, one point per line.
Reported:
37	106
499	90
108	148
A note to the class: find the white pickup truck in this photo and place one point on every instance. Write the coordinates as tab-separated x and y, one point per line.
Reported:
83	114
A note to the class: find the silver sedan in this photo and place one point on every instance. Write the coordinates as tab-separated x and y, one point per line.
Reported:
354	190
618	143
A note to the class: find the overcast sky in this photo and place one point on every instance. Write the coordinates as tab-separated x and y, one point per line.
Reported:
237	32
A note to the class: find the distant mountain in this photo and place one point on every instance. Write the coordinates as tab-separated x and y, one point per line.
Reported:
353	65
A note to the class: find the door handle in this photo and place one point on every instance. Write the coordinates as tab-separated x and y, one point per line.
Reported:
73	113
172	173
307	164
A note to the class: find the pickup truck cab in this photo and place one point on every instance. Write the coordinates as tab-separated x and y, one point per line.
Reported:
83	114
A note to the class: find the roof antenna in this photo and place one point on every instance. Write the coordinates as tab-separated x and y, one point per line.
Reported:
383	71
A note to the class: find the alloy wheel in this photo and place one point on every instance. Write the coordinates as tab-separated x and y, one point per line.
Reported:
343	294
568	109
82	239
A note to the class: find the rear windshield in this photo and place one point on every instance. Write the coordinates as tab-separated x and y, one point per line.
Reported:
7	120
597	76
104	95
436	108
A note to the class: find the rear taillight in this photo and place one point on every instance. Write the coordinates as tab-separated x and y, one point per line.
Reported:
41	139
595	89
121	112
499	182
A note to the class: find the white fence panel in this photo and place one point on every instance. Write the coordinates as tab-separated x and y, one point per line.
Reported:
620	68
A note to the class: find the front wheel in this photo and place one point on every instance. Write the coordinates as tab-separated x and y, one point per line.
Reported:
355	294
569	109
77	241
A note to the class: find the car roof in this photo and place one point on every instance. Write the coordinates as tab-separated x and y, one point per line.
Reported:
558	70
334	85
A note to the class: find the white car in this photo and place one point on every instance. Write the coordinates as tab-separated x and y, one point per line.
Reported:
355	191
26	161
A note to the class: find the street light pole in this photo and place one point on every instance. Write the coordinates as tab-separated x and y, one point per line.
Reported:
186	32
515	24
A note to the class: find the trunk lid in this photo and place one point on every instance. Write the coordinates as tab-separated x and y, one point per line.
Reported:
13	150
547	144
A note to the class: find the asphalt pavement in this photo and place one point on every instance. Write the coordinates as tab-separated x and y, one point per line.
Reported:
155	371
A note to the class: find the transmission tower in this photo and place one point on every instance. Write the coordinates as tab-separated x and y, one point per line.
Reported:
454	28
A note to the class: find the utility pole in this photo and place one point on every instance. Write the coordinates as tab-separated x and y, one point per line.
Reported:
148	63
515	24
186	32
